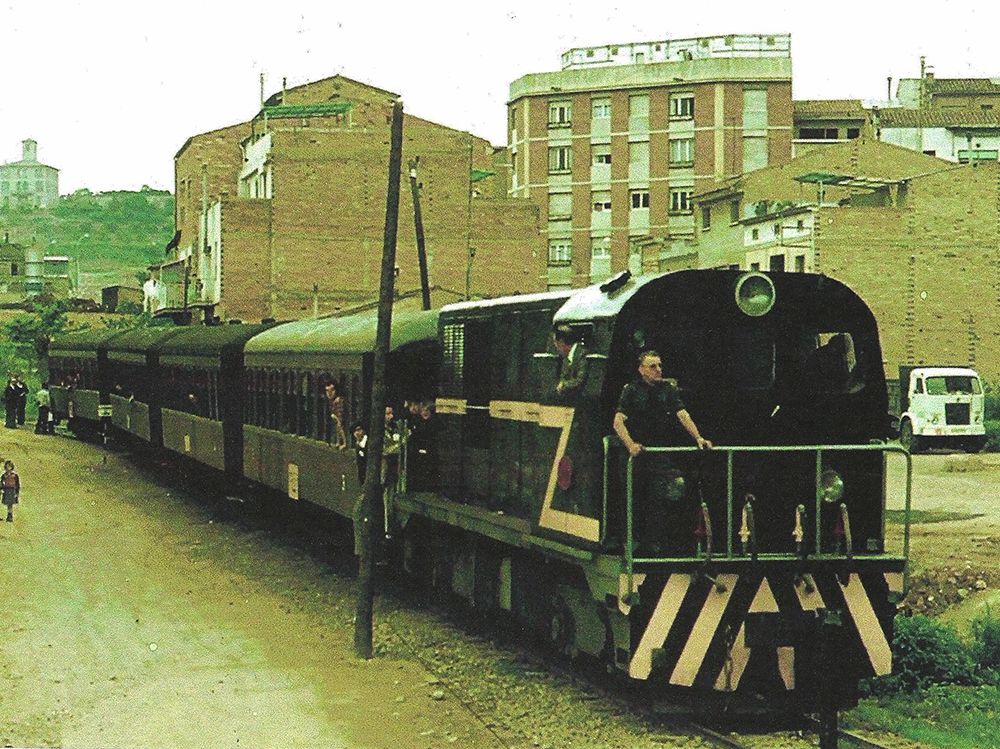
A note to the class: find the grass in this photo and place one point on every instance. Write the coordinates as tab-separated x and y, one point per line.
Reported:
948	717
896	517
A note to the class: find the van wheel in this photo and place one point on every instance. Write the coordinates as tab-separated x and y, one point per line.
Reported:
907	438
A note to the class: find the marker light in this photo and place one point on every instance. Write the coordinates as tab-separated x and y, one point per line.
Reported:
831	486
755	294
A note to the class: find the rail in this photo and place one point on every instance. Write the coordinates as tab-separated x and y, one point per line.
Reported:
746	531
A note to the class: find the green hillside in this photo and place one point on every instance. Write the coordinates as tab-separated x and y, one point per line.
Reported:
115	235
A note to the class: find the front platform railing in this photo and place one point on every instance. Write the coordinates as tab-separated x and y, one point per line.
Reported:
746	531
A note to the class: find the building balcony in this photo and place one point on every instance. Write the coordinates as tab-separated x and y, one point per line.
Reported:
638	221
600	130
600	175
600	221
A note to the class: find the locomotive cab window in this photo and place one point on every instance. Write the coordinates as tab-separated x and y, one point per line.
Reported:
833	366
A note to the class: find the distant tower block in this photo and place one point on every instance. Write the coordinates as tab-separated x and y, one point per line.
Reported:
28	182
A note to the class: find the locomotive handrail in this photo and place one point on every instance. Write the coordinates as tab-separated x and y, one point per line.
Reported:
730	451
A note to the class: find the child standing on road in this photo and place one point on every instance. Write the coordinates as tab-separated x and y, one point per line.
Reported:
11	484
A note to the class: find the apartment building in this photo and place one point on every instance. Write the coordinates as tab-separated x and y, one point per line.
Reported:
612	146
28	182
956	119
914	235
283	216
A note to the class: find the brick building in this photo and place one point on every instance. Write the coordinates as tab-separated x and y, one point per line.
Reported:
956	119
914	235
612	146
283	216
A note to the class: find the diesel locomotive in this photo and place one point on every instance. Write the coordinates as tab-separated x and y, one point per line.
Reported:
767	571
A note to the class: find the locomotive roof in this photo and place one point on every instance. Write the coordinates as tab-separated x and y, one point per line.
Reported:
210	340
505	301
352	335
599	301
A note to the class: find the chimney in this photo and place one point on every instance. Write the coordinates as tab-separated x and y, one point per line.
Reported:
889	89
29	150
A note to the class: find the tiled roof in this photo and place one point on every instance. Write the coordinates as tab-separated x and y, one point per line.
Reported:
962	86
825	109
938	118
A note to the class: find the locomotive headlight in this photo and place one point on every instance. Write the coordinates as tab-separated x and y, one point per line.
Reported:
831	486
755	294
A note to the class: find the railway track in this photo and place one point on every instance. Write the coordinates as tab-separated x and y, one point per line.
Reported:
665	724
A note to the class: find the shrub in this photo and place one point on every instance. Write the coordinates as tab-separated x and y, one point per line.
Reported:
986	644
991	393
991	415
925	653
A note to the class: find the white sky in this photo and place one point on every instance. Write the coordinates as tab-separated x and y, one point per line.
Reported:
111	90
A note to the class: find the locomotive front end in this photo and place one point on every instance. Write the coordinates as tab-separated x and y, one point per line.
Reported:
760	566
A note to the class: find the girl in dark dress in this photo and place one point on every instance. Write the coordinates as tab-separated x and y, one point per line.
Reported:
11	484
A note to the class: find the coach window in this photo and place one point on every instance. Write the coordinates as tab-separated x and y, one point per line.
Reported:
306	406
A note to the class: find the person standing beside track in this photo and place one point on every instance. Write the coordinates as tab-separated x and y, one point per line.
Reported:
649	412
10	483
10	398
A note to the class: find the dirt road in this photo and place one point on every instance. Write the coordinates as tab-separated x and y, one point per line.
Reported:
131	619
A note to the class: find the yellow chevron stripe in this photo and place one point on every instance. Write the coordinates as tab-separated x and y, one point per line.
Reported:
659	625
581	526
763	602
701	634
809	595
623	591
895	581
786	666
872	636
736	663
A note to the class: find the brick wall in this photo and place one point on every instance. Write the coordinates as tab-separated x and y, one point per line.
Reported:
219	152
930	270
327	218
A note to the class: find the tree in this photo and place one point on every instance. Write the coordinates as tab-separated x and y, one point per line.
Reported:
44	319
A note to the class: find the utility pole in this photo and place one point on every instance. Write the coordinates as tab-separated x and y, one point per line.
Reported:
376	421
469	251
418	225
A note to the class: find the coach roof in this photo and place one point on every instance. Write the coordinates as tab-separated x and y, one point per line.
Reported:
353	335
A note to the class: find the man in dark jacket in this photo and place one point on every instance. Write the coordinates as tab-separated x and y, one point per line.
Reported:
22	398
10	398
651	413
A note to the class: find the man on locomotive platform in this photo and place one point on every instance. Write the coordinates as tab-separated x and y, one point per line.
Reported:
651	413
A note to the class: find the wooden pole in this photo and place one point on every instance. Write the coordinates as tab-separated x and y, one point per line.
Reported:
376	422
418	224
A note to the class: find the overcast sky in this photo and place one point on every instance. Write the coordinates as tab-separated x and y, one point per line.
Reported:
111	90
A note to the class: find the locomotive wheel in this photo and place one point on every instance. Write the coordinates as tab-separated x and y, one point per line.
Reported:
907	438
561	630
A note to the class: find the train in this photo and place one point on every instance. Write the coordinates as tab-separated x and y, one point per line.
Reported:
774	579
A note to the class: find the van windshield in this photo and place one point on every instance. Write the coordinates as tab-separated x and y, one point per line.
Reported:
953	385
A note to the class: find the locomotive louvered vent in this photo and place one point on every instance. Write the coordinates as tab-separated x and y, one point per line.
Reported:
454	356
956	413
